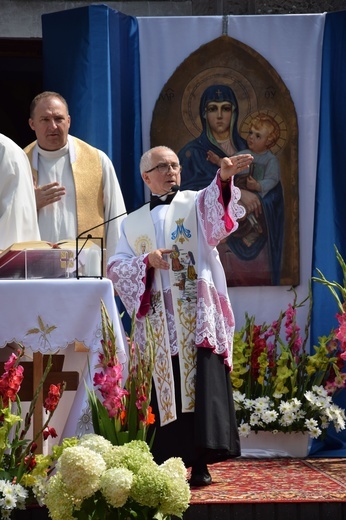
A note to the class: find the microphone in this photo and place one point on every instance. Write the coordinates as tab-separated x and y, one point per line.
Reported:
174	189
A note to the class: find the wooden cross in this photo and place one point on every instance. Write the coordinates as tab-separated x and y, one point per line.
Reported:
33	372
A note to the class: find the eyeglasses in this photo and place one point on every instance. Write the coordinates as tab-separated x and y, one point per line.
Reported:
163	168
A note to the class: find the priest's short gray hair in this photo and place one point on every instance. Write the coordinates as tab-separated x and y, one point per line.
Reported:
146	162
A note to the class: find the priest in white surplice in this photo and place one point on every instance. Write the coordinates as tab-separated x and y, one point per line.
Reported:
166	266
76	184
18	219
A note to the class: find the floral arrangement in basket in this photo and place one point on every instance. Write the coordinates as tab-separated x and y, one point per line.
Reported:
111	473
21	470
278	385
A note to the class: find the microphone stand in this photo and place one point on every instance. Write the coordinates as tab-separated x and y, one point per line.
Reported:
85	235
79	250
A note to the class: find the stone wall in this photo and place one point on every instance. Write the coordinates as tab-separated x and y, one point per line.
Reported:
22	18
246	7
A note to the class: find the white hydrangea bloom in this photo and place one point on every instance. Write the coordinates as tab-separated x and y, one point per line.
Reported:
95	443
81	469
115	485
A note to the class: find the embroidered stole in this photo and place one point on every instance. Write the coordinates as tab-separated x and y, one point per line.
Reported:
181	236
87	175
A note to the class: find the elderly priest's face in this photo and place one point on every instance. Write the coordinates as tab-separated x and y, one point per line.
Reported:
164	171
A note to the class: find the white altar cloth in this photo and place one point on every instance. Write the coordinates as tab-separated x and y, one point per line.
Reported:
59	312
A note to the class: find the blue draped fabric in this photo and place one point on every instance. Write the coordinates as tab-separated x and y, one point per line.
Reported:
91	57
330	200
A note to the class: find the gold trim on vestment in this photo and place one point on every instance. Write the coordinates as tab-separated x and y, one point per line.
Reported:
140	233
180	231
181	235
87	175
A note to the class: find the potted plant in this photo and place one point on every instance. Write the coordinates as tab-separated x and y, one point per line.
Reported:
278	386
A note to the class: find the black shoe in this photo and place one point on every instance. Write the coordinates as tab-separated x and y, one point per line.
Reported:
200	477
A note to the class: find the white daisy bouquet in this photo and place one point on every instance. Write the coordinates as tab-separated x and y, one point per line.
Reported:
278	385
311	414
12	496
96	480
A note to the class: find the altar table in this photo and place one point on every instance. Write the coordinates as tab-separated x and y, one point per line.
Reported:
48	315
65	310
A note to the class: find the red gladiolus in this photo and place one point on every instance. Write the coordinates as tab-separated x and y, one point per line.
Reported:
11	380
53	398
30	462
49	432
259	345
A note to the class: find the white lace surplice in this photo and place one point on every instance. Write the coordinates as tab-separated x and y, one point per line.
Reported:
215	320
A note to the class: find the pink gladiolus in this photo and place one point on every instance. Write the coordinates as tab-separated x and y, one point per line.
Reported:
109	383
140	400
330	387
114	404
340	333
10	362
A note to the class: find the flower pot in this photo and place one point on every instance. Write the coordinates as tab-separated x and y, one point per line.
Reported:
269	444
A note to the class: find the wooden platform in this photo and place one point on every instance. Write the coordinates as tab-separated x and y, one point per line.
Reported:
273	511
272	489
295	489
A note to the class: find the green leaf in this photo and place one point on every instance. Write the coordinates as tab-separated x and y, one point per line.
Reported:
102	423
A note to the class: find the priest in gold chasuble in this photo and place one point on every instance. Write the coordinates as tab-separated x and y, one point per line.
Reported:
76	184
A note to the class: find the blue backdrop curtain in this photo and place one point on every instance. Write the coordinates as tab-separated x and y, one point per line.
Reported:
91	57
329	227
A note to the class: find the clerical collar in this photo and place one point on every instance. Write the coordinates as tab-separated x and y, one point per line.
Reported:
53	154
162	197
157	200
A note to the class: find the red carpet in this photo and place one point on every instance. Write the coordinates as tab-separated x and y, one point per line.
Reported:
274	480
